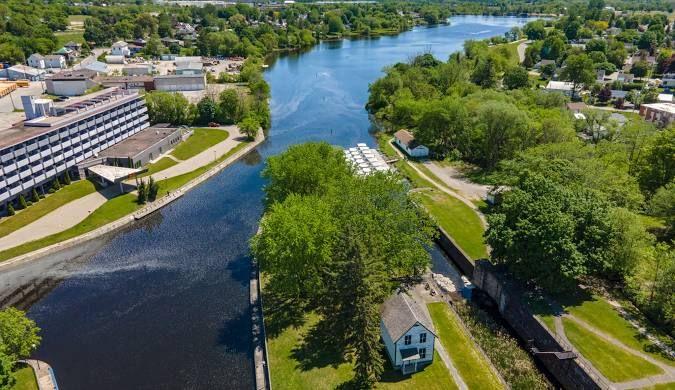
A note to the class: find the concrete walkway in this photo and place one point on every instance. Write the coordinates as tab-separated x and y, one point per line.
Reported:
74	212
63	218
454	179
44	374
203	158
521	50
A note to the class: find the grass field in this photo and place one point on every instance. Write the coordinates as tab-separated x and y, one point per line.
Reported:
77	18
112	210
25	379
509	49
292	368
603	316
613	362
457	219
472	366
45	206
66	36
159	165
202	139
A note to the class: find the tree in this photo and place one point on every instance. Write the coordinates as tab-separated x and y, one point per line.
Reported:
142	190
485	73
335	25
34	196
605	93
578	70
249	126
18	334
152	189
22	202
206	109
553	47
11	53
168	107
647	41
443	126
231	106
56	185
657	167
7	375
10	209
548	70
535	30
640	69
66	178
504	129
516	77
535	231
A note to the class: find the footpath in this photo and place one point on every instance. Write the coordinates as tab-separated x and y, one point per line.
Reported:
148	209
72	213
43	373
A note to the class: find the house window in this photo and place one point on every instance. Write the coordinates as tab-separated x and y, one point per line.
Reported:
423	338
407	340
423	353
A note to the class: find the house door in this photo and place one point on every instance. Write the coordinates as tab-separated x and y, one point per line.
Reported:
409	367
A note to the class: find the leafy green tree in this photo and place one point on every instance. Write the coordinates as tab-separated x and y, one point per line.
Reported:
10	209
304	169
553	47
443	126
504	130
579	71
11	53
647	41
249	126
335	25
657	168
152	189
516	77
7	375
168	107
640	69
485	73
18	334
142	192
66	178
231	106
535	30
207	110
548	70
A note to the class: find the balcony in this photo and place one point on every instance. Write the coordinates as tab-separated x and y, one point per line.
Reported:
12	179
34	157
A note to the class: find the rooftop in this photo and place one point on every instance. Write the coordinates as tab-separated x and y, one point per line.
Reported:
69	112
139	142
81	74
665	107
559	85
113	174
400	312
406	137
365	160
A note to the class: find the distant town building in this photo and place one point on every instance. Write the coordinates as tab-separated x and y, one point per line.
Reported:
54	139
407	332
74	46
406	141
138	69
127	82
36	60
576	107
658	112
173	83
23	72
115	59
120	48
55	61
98	67
67	53
560	86
71	83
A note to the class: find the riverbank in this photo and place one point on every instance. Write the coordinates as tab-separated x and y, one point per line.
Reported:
174	188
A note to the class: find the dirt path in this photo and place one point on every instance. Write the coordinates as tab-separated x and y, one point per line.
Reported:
521	50
454	179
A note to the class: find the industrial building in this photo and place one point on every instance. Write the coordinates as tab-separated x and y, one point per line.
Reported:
71	83
184	82
143	147
54	139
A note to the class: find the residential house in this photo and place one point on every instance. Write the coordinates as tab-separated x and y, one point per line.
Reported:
183	29
407	332
406	141
543	63
560	86
74	46
36	60
67	53
71	83
667	81
576	108
55	61
658	112
665	98
120	48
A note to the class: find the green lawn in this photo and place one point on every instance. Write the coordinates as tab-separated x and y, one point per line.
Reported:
77	18
291	369
112	210
202	139
601	315
45	206
510	49
159	165
64	37
25	379
472	366
459	220
662	386
613	362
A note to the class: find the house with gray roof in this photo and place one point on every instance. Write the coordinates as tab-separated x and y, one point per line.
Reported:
407	332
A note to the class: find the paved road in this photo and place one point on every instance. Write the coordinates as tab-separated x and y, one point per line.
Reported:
454	179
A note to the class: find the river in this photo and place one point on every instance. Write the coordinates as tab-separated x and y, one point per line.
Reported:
163	304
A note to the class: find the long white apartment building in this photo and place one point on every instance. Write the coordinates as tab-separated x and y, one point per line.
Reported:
55	138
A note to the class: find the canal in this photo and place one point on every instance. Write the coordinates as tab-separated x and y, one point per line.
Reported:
163	304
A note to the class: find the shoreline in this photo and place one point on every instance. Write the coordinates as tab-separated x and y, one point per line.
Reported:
134	216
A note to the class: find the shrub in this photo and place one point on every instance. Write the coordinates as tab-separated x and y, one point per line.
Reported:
66	178
56	185
153	189
22	202
10	210
34	196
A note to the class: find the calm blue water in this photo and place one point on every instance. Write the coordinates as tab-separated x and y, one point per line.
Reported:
164	303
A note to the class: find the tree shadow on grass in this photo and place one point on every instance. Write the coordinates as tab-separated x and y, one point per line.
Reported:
319	348
281	312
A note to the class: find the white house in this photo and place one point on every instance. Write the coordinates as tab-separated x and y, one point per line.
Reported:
406	141
560	86
120	48
407	332
36	60
55	61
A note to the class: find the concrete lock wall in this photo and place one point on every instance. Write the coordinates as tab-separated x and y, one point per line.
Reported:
571	373
456	254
